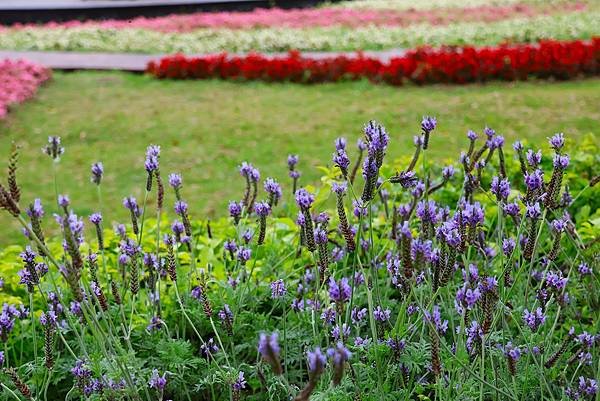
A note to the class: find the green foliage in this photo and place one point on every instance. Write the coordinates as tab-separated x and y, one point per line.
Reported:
396	362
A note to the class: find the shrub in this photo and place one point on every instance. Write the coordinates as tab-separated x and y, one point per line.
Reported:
475	280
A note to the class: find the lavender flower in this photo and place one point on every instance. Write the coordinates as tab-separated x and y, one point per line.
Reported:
533	211
36	210
518	146
557	141
235	211
448	172
262	209
54	148
157	381
340	333
474	336
130	203
48	318
359	209
428	124
120	230
97	172
247	236
339	355
75	309
226	318
268	347
337	254
427	211
95	218
412	309
512	209
468	297
304	199
175	181
435	318
501	188
316	361
292	160
252	176
230	246
377	141
151	164
63	201
586	389
396	346
584	269
273	188
197	293
512	352
534	180
339	291
341	159
181	207
406	179
418	140
320	236
586	340
534	159
244	254
152	155
82	374
155	324
329	315
381	315
278	289
534	319
561	161
32	272
209	348
508	246
496	142
240	383
339	188
358	315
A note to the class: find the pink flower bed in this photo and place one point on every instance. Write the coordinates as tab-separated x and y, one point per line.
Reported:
322	17
19	81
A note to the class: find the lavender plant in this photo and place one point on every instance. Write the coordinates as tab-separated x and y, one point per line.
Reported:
472	281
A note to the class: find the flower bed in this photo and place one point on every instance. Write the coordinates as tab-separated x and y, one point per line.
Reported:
19	81
321	17
460	282
427	4
548	59
568	26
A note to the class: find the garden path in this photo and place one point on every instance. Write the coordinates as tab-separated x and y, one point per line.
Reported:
138	62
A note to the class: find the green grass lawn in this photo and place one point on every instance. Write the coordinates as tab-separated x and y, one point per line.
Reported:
207	128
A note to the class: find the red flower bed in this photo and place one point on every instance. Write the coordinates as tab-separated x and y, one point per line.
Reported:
19	81
547	59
